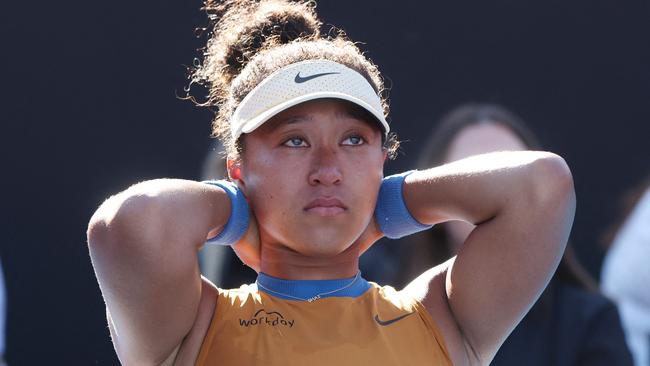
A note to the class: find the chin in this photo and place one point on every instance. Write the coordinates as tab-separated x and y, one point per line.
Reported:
322	244
324	251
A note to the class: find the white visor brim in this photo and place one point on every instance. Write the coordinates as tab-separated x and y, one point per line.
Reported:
302	82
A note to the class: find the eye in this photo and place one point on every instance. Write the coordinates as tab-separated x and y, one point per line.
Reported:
295	142
354	140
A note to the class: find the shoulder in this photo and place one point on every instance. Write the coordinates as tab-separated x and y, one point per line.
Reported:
245	294
429	289
389	295
213	299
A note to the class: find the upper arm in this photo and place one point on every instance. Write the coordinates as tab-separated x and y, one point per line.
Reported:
148	273
508	259
151	292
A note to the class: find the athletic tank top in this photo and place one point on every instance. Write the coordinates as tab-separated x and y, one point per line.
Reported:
379	327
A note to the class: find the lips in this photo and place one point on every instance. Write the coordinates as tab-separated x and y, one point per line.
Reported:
326	207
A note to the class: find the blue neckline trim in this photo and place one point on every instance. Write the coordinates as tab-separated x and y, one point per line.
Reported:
305	289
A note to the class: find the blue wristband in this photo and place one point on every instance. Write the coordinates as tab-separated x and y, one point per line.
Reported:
391	213
238	221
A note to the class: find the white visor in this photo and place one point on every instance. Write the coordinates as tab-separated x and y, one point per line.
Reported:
301	82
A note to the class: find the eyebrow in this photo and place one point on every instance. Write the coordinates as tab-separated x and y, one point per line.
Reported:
347	112
295	119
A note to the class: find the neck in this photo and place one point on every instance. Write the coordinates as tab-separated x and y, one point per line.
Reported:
312	290
280	261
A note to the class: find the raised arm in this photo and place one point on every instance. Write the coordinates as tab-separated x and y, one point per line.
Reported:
523	205
143	244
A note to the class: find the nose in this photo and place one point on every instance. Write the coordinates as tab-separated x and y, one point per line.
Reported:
326	169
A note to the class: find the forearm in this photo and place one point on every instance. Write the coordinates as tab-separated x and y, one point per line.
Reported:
478	188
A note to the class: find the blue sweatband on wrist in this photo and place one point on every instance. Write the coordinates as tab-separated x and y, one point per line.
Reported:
391	213
238	221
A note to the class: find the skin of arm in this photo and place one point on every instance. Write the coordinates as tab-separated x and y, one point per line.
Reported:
523	204
144	255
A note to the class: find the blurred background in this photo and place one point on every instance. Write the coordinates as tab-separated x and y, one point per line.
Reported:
89	105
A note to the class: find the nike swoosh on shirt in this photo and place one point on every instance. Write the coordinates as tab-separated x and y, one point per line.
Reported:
301	79
391	321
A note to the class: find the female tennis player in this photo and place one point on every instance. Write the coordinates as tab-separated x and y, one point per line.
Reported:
304	123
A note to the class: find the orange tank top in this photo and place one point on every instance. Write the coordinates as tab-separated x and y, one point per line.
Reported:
379	327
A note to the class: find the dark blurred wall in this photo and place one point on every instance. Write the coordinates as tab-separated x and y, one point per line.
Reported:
89	107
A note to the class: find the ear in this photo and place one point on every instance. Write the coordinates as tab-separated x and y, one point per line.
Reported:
234	173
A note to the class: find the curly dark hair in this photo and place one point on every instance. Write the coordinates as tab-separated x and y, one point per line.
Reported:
250	39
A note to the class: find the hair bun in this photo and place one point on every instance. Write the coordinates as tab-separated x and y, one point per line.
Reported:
241	28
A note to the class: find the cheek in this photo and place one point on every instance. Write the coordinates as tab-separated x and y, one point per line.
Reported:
269	193
365	176
368	167
270	208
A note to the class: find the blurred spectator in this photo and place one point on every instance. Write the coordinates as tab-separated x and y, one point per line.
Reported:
571	323
219	264
626	276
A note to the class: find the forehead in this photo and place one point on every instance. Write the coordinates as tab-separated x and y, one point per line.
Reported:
483	138
321	108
